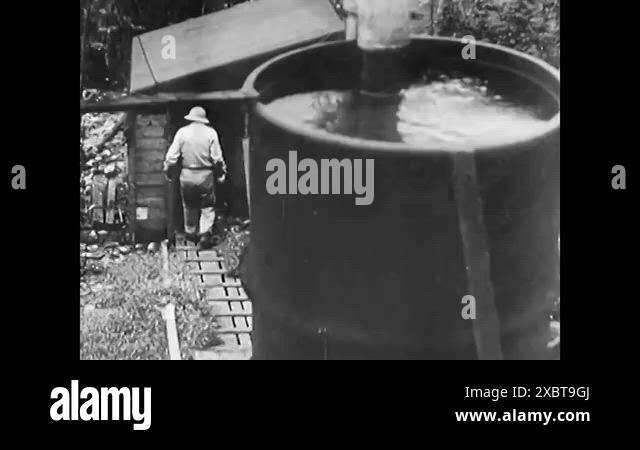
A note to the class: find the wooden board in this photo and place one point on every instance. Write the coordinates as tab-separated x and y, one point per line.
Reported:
149	161
168	313
140	71
150	192
147	183
98	197
131	192
150	131
154	120
233	315
150	179
151	202
144	102
111	200
216	40
153	145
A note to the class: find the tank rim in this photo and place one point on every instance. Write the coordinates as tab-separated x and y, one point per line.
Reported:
553	124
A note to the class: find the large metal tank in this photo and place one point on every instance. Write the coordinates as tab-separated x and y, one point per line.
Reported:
332	280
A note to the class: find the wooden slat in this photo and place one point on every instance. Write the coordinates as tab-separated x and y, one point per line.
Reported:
131	173
150	192
204	272
98	197
213	280
232	330
230	342
168	313
150	120
242	323
150	201
209	255
172	188
111	200
233	314
220	308
232	281
166	271
153	179
140	102
248	30
224	322
211	264
150	162
245	340
216	293
140	70
213	269
150	132
236	294
247	306
153	145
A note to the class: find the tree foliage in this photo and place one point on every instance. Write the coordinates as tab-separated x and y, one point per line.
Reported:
531	26
107	27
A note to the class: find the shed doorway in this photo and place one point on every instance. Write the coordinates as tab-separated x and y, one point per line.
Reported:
228	119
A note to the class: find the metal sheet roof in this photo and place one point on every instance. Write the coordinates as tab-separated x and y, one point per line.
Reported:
244	32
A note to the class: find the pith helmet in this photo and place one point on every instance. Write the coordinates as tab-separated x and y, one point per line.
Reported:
197	114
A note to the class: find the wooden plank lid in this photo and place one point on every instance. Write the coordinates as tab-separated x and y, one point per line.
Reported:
243	32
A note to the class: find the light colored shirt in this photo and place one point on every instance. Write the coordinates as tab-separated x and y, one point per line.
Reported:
199	146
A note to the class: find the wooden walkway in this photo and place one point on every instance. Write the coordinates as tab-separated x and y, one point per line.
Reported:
231	306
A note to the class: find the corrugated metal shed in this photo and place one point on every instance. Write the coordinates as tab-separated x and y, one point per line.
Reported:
217	51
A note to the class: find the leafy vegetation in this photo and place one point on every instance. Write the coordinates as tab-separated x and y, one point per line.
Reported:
120	310
107	27
531	26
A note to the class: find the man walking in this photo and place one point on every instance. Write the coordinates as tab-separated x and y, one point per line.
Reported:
196	152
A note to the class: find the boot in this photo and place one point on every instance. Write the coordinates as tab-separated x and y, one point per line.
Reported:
205	242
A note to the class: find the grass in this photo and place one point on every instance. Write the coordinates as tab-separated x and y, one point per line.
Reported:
120	310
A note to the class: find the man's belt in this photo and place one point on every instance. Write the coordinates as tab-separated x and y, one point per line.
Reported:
198	167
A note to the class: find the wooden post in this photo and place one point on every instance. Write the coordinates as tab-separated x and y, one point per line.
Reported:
83	43
98	198
169	315
130	133
235	157
246	143
166	273
172	194
110	214
168	312
351	22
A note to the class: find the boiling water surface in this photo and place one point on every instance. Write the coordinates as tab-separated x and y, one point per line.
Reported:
448	112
